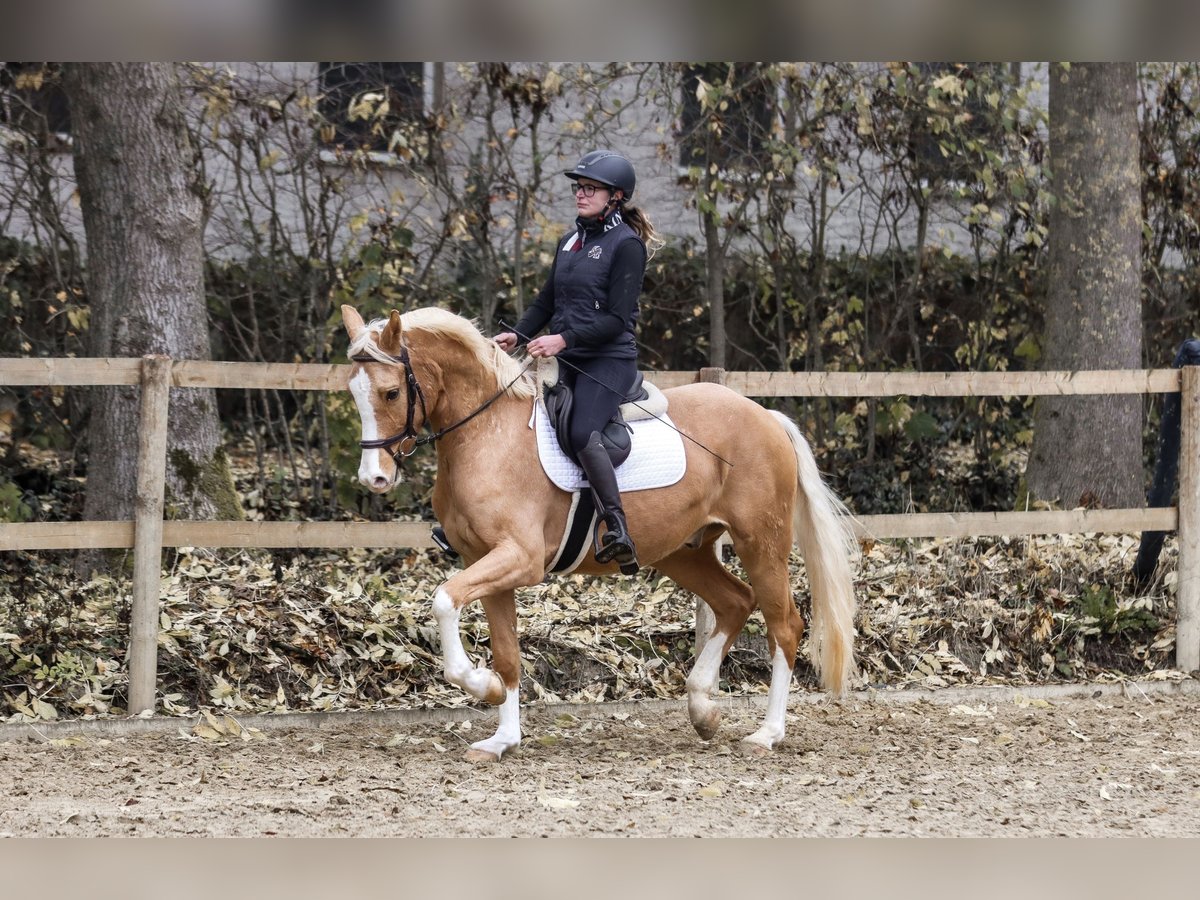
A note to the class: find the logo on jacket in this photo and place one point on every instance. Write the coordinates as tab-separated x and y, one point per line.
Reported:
595	252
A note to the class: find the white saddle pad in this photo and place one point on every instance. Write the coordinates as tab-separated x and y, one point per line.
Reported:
657	458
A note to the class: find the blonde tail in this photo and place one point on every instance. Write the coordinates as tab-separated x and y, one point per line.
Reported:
821	526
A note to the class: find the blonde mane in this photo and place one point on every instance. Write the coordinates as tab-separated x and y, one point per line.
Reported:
433	320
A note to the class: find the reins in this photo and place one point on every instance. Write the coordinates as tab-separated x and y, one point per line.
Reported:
612	390
410	434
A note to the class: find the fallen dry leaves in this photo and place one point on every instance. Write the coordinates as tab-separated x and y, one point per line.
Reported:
244	632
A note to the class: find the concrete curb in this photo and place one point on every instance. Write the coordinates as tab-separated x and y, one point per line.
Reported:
398	717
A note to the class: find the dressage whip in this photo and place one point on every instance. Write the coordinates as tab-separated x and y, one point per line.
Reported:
648	412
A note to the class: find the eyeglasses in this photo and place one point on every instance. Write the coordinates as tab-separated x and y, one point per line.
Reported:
588	190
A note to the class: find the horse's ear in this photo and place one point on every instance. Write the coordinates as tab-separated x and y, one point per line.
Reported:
389	341
353	322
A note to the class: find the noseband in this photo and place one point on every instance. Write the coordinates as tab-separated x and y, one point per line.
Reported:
403	445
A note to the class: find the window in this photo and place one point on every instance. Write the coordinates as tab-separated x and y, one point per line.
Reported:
364	103
734	133
33	102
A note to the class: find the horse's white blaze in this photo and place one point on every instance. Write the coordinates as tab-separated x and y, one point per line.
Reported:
508	734
456	665
774	723
369	466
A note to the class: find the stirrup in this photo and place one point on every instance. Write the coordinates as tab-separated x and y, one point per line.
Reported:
611	547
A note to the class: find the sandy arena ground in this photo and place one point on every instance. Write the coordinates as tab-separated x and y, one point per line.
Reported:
1121	760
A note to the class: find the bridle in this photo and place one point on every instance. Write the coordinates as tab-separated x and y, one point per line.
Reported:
403	445
409	434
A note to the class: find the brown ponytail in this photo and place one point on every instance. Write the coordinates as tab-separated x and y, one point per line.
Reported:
640	222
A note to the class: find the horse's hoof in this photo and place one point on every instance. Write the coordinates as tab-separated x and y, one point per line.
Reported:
481	756
754	748
762	742
707	723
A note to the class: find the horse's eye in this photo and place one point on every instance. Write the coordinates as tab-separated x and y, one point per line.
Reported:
393	393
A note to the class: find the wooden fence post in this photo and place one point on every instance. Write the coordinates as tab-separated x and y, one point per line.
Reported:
706	621
148	533
1187	599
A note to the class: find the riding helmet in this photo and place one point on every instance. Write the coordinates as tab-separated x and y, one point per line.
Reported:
608	168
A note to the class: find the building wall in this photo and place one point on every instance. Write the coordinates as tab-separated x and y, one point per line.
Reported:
282	173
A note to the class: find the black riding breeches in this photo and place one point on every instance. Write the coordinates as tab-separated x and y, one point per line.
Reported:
594	405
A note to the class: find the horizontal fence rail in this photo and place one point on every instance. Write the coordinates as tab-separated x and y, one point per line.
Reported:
275	535
148	533
332	377
344	535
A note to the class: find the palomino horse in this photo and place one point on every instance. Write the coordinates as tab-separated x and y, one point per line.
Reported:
431	368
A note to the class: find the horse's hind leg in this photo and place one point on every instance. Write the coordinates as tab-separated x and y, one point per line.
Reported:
768	571
731	601
501	610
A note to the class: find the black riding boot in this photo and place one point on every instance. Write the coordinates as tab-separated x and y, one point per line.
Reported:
439	538
616	542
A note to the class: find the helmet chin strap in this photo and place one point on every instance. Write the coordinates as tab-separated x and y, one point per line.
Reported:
612	204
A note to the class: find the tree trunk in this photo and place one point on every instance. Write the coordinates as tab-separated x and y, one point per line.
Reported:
1088	450
145	282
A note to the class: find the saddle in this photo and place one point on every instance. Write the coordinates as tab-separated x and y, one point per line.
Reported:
643	401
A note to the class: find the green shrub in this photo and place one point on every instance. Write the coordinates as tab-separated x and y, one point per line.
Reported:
12	508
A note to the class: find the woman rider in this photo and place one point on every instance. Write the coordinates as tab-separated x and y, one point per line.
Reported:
589	309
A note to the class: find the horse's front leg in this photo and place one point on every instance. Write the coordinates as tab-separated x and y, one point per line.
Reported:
492	579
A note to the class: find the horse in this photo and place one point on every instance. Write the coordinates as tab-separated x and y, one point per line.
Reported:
749	473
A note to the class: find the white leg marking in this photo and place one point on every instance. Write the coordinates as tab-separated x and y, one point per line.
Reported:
456	666
774	723
703	679
508	734
369	466
702	683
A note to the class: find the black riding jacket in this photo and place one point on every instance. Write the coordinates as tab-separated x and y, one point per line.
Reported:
591	296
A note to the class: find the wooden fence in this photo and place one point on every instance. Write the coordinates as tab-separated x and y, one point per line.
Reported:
148	533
